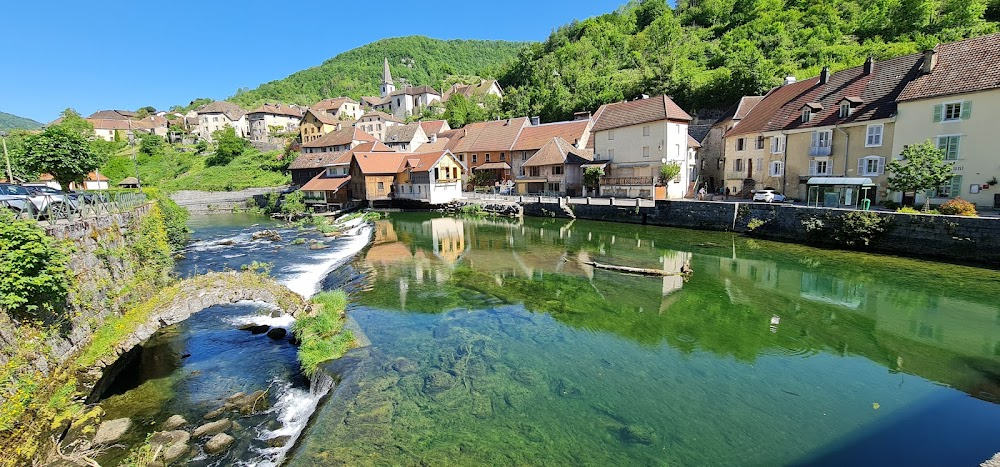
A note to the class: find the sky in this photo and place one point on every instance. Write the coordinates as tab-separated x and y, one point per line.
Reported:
117	54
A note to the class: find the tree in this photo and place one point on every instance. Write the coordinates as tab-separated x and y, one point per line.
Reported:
150	145
73	122
669	171
922	168
648	11
34	273
228	146
592	176
61	152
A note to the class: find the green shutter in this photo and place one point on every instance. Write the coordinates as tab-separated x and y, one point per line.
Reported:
966	110
956	187
938	113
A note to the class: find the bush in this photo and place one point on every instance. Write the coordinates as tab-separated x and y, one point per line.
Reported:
151	145
229	147
958	207
34	277
200	147
890	204
322	334
860	227
174	217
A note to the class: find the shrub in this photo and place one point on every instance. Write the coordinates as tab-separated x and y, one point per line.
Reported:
151	145
958	207
907	210
669	171
228	147
322	334
174	217
34	277
890	204
860	227
754	224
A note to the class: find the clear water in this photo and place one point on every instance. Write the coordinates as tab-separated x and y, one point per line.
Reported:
493	344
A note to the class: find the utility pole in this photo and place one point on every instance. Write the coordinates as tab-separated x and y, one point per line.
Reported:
10	174
135	160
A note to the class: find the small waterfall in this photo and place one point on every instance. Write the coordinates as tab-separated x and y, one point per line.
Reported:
305	279
293	410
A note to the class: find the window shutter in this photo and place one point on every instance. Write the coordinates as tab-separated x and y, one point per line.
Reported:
812	167
815	139
966	110
956	187
861	166
881	166
938	113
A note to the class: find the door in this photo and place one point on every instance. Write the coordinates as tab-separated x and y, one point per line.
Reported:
909	198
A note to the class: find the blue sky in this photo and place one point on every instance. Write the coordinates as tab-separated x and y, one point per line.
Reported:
128	54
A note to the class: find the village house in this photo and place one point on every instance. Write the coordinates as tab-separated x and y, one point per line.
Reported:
330	188
405	138
316	123
826	139
339	140
119	124
220	114
434	178
400	103
95	181
308	165
373	176
485	87
556	168
269	122
954	102
341	108
434	127
712	152
535	137
486	146
633	139
375	123
110	130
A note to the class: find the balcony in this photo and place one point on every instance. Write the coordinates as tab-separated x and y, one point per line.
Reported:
626	181
819	151
736	175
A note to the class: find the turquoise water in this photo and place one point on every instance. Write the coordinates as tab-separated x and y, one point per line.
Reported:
492	343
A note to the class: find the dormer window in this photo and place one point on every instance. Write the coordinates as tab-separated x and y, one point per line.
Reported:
809	110
848	105
806	115
845	109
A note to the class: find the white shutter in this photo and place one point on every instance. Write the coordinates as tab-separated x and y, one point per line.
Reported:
812	167
862	162
881	166
815	139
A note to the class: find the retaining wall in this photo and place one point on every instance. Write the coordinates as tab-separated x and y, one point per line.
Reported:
965	239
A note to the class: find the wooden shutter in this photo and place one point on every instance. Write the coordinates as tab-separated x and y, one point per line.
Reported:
938	113
862	165
956	187
881	166
815	139
966	110
812	167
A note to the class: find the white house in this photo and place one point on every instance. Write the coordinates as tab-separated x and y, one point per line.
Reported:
220	114
433	178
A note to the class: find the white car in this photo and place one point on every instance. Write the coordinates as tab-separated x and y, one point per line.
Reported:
768	196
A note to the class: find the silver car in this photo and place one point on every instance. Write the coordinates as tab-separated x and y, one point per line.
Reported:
768	196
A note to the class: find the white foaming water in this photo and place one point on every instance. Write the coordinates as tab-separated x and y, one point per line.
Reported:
293	409
218	243
284	321
305	279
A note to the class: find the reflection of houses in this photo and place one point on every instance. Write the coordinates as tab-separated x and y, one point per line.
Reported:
448	235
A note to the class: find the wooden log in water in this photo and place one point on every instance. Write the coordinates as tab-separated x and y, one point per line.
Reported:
685	270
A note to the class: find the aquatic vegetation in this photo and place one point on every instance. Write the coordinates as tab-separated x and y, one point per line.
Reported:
321	334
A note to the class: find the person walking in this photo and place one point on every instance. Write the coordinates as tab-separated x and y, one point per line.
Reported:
701	193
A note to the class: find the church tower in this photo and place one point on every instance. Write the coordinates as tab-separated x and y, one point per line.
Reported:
387	86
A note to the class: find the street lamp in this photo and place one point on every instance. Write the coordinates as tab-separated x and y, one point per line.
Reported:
10	174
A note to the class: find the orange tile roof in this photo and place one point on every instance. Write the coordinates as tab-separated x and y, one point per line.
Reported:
95	177
534	137
374	163
559	151
278	109
965	66
440	145
339	138
495	135
425	161
639	111
322	182
332	104
433	127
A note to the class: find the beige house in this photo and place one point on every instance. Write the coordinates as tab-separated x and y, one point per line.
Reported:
340	108
555	169
536	136
220	114
485	87
376	123
268	120
316	123
954	102
636	138
712	151
405	138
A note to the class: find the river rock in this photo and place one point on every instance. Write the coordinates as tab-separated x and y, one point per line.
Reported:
219	443
174	422
255	328
112	430
278	441
318	246
277	333
215	413
212	428
271	235
173	444
404	366
638	434
438	381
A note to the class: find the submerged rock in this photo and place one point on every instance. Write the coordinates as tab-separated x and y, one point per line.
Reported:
271	235
219	443
404	366
174	422
212	428
172	444
277	333
318	246
638	434
255	328
438	381
278	441
566	388
112	430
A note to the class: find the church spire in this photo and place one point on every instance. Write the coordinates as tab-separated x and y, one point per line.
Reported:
387	85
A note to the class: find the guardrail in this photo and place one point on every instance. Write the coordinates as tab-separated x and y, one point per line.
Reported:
563	200
56	208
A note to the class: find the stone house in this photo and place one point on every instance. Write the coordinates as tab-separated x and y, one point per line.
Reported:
405	138
536	136
267	118
376	123
556	168
217	115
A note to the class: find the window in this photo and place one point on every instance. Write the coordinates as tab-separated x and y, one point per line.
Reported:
611	154
951	188
760	142
381	186
524	156
503	157
738	165
953	111
821	139
645	151
760	163
874	138
819	167
535	172
845	109
871	165
611	135
557	170
777	144
741	144
645	130
949	145
461	157
806	115
777	169
475	158
522	171
553	187
487	157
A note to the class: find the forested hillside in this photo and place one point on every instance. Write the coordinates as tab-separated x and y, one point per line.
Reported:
418	60
13	122
708	53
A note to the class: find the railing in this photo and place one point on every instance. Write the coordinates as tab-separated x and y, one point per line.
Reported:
627	181
736	175
56	208
819	151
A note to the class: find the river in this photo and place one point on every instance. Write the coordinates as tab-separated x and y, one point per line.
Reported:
491	342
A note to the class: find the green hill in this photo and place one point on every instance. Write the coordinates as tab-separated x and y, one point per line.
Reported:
708	53
13	122
419	60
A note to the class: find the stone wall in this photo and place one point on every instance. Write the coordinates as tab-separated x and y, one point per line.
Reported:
206	202
965	239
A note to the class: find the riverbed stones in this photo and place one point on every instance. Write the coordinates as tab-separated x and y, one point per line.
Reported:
270	235
172	444
174	422
112	430
278	441
255	328
637	434
404	366
437	381
219	443
212	428
277	333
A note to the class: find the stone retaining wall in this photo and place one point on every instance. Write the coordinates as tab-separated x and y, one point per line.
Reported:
966	239
204	202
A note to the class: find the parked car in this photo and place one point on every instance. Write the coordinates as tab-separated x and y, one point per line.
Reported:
50	201
768	195
19	199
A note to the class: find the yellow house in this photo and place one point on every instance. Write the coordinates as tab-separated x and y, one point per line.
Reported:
316	123
955	104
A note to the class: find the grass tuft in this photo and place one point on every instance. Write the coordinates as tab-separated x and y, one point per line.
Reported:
322	334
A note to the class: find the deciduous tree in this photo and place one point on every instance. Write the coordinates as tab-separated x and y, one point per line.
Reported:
922	168
61	152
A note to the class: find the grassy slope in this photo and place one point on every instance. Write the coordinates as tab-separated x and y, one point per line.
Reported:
358	71
13	122
176	170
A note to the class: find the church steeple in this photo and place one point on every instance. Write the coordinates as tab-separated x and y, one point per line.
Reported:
387	86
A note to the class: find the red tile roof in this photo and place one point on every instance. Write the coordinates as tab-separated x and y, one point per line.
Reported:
339	138
766	110
95	177
495	135
322	182
425	161
559	151
965	66
433	127
112	115
332	104
639	111
230	110
534	137
693	143
740	109
324	117
375	163
278	109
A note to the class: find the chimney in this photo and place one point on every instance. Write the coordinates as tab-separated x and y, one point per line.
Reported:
870	66
535	121
337	127
930	61
434	137
581	116
824	76
644	96
789	80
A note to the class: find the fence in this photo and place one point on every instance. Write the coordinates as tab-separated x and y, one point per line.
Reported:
82	205
554	198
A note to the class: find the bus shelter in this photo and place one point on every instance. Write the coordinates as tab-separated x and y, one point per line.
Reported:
841	192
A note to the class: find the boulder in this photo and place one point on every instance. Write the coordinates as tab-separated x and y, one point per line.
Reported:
173	444
212	428
278	441
219	443
215	413
277	333
112	430
271	235
638	434
174	422
255	328
318	246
